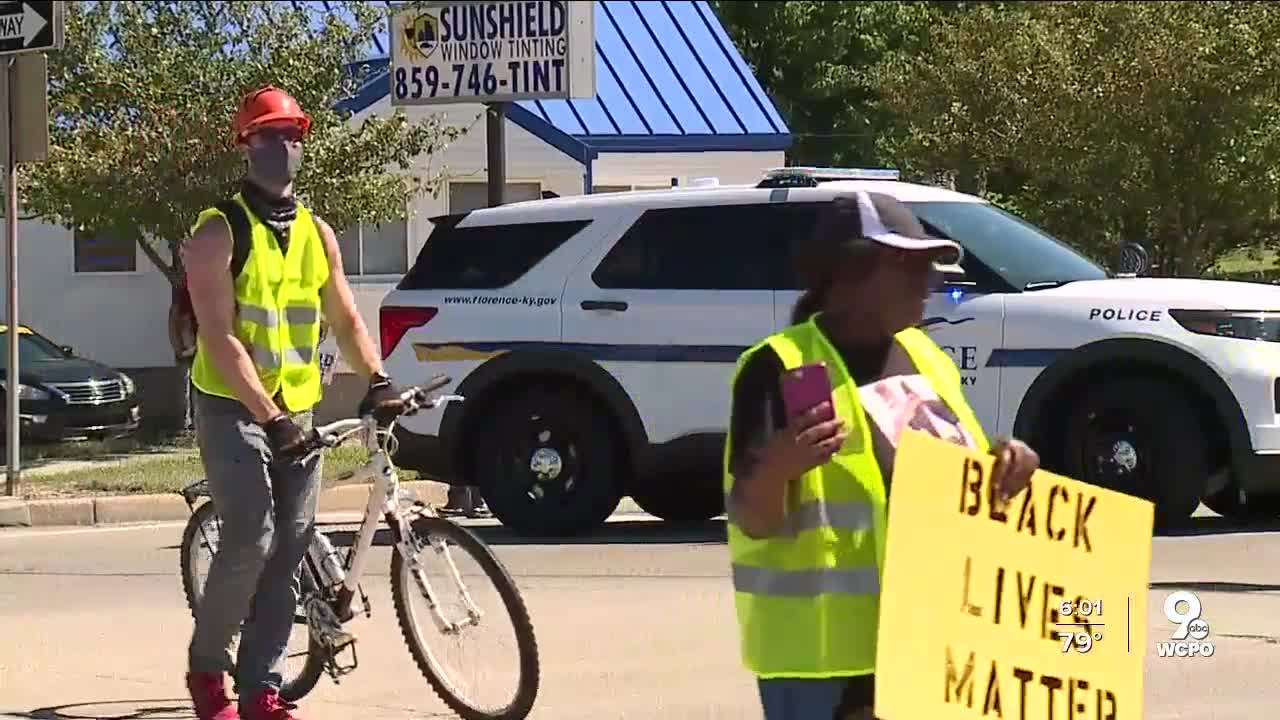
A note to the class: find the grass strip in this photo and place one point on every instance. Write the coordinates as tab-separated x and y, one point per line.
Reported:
159	473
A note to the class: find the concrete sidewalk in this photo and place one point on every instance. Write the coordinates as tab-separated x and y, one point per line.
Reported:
115	509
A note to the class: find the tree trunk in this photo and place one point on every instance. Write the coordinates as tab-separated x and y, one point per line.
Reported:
169	271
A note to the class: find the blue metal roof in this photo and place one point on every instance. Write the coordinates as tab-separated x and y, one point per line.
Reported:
689	92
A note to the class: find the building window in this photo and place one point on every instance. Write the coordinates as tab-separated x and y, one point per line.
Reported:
596	189
468	196
103	253
369	249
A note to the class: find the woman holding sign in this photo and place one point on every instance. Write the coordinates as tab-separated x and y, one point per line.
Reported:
817	411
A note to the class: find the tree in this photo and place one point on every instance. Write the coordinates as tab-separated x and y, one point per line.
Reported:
1105	122
142	98
813	56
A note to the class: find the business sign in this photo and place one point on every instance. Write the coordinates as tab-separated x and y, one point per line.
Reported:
484	52
1032	609
30	26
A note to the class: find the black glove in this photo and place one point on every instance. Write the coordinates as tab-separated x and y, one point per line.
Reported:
285	439
382	400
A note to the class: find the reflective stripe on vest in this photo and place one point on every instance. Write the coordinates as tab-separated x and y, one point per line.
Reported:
278	312
807	598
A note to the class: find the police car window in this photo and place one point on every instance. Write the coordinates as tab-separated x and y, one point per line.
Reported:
981	277
725	247
485	257
1012	248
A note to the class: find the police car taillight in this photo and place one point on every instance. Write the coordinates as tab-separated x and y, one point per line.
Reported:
394	322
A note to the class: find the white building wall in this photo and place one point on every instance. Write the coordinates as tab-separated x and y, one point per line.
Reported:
120	318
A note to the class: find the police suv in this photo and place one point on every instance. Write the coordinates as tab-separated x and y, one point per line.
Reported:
594	338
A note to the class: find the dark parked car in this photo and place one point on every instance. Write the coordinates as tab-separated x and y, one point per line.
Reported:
63	397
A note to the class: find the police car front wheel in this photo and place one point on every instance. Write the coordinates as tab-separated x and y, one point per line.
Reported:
1142	437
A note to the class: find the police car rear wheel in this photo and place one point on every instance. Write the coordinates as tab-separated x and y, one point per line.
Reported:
684	490
548	463
1226	503
1141	437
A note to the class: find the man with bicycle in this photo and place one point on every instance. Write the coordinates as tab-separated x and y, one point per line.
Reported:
261	271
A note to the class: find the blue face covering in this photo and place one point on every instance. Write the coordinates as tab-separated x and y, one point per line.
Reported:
275	161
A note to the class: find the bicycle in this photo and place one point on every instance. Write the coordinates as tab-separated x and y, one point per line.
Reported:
330	591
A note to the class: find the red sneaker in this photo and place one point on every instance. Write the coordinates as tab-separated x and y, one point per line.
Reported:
209	696
268	705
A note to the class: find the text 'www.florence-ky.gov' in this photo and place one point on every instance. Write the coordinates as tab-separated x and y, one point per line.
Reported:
525	300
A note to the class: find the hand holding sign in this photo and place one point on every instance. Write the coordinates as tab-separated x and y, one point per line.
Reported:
1000	603
1015	463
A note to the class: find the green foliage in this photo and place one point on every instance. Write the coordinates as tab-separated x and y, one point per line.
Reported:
813	57
142	99
1105	122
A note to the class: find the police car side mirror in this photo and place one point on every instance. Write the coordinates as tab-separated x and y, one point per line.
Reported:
954	276
1134	260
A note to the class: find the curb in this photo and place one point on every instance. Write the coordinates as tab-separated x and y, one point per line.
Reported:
118	509
14	513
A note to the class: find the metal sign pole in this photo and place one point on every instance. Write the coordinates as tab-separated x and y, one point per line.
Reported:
14	482
496	140
27	30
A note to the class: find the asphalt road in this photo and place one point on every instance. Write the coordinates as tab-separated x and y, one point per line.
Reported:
637	623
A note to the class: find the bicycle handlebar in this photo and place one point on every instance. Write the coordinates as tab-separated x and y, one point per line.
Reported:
412	400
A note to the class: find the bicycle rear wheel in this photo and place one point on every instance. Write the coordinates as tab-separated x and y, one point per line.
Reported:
442	546
199	544
202	532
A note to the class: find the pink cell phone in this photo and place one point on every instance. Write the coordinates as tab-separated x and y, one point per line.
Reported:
805	388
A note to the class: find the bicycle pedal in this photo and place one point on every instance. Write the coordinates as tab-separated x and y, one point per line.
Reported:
336	639
341	640
336	668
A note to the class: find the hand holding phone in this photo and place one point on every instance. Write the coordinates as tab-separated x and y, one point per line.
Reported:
813	433
805	388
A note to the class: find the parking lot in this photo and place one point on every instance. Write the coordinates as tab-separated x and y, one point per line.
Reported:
635	623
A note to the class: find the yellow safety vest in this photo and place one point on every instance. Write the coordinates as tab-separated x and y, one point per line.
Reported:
808	599
277	312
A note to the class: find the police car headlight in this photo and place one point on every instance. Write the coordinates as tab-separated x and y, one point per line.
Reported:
1242	324
129	387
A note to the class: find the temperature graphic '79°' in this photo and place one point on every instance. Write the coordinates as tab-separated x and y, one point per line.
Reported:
1082	634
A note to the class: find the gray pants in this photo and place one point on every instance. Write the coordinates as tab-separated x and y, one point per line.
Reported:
268	517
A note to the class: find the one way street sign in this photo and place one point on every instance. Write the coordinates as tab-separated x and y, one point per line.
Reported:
30	26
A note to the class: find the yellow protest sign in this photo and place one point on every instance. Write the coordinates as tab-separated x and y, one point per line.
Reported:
1031	611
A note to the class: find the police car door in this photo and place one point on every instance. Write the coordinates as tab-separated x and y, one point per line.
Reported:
966	319
668	308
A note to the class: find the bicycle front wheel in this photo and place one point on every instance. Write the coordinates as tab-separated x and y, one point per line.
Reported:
459	595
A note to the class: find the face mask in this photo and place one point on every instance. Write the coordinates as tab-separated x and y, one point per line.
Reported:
275	162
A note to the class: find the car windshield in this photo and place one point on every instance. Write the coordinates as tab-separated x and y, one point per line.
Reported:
1014	249
31	349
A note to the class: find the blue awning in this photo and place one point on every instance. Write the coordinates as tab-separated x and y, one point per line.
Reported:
689	92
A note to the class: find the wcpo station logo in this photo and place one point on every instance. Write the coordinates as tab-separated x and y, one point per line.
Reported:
1189	638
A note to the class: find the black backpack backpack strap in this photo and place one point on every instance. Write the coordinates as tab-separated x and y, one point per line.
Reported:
238	221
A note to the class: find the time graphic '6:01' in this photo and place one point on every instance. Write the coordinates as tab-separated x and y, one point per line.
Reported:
1080	625
480	79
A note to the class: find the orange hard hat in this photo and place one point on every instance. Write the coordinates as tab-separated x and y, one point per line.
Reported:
265	105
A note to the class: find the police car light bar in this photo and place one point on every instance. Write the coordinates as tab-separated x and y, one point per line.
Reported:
785	177
822	173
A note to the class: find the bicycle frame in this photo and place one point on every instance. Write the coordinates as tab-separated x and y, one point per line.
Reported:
385	496
383	504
